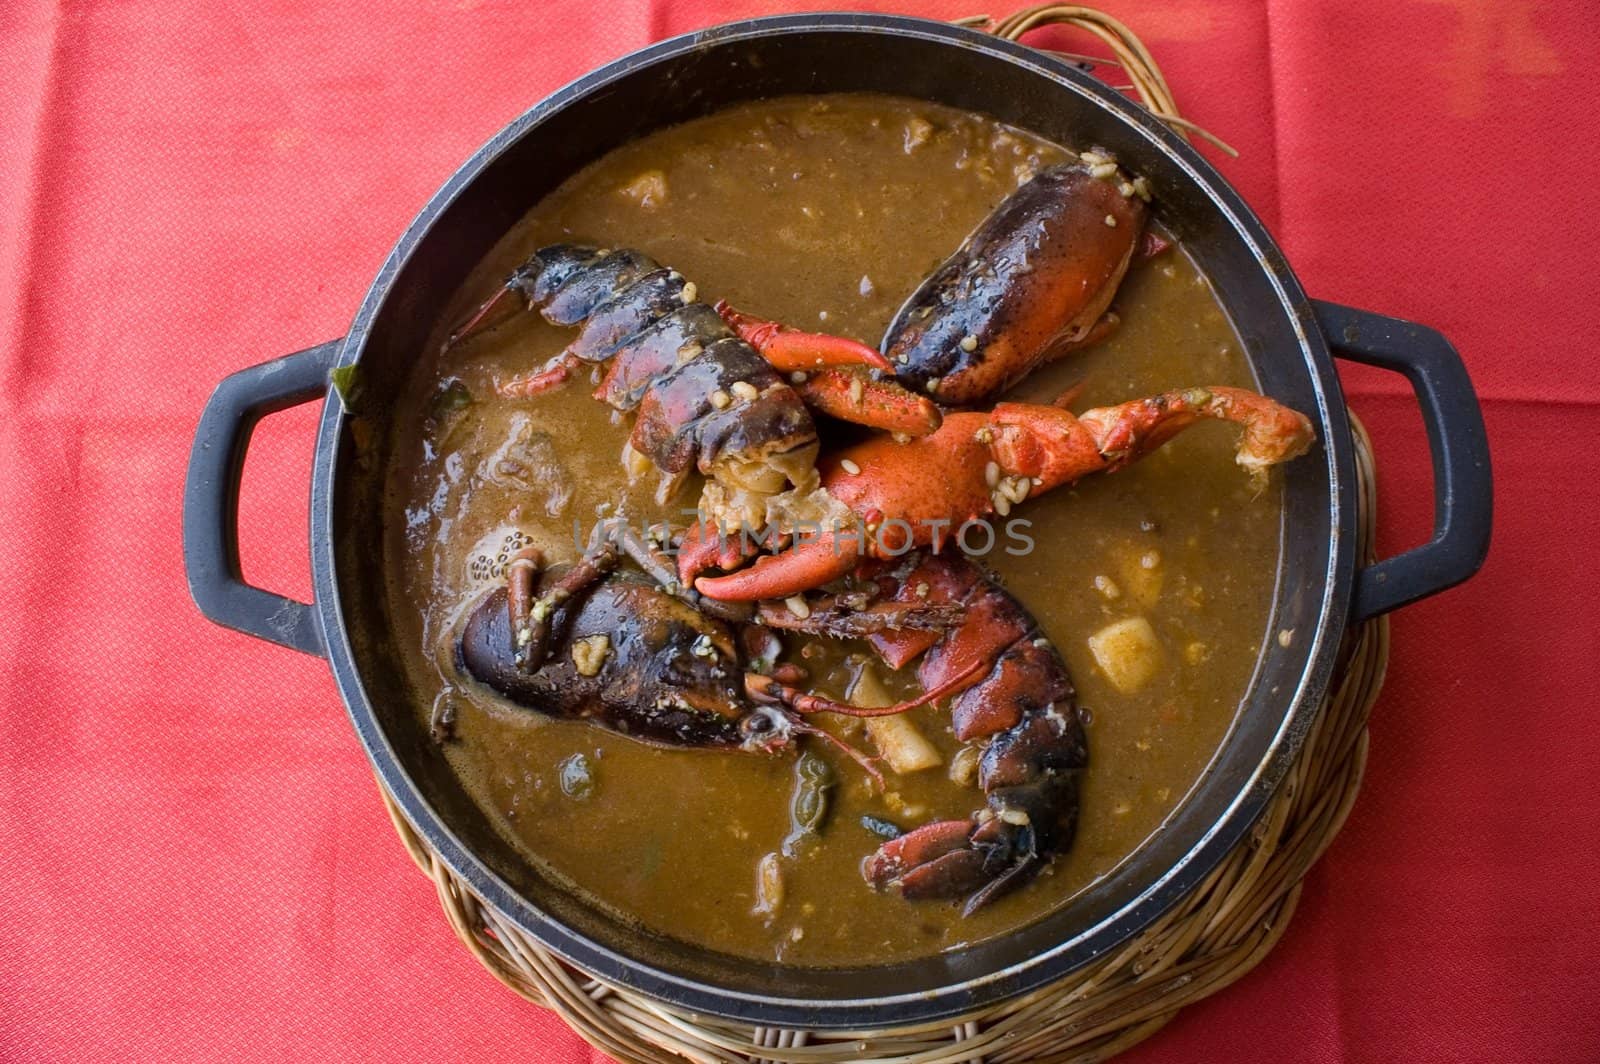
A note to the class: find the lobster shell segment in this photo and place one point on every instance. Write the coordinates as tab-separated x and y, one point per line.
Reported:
582	283
713	403
655	351
634	309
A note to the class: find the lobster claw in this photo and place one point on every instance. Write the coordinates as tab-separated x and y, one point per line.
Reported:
976	464
824	373
1054	253
934	861
706	546
881	404
806	565
791	349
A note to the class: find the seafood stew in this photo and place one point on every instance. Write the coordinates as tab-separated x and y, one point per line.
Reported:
1154	585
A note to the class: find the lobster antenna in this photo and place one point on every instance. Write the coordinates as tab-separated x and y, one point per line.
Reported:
859	757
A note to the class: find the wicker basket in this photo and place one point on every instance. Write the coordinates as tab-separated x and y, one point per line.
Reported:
1214	935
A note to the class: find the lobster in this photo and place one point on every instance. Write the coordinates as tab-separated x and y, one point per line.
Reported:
705	398
594	642
1031	283
920	493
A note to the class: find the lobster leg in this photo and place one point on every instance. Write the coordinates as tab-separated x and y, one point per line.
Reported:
760	686
785	720
795	703
791	349
551	375
826	385
1052	446
530	617
521	573
830	617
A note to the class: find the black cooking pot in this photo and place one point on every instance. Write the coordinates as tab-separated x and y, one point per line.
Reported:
1320	590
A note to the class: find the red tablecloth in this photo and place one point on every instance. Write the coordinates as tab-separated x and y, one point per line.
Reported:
196	865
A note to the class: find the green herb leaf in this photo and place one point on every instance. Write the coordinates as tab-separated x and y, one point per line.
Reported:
347	382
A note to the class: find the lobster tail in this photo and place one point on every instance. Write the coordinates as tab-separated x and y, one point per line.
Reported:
1018	695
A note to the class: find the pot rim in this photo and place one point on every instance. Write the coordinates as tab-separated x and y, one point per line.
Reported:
956	998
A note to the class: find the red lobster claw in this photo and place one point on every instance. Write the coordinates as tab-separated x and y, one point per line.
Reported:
705	546
802	567
881	404
823	370
791	349
977	464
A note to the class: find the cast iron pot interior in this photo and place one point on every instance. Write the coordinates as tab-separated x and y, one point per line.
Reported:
683	79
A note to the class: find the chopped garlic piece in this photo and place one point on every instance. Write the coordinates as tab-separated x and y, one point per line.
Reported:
589	654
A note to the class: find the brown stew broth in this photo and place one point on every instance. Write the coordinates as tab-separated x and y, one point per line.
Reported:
825	212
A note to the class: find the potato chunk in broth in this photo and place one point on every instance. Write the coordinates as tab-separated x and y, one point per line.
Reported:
1154	582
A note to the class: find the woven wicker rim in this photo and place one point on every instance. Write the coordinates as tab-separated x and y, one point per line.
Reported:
1219	931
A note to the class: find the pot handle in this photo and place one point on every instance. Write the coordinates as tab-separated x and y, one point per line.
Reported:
211	498
1463	492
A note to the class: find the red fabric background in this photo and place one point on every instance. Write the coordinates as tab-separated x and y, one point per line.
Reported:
195	862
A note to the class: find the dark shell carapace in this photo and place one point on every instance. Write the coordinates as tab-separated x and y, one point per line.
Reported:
1035	275
669	674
